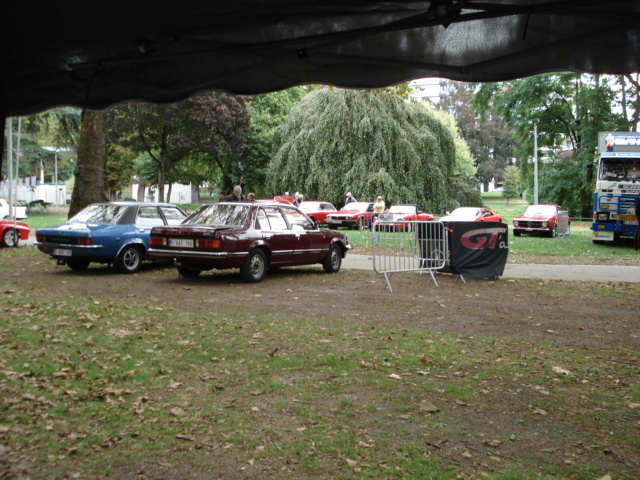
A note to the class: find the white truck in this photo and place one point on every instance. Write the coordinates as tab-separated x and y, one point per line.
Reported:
617	186
20	211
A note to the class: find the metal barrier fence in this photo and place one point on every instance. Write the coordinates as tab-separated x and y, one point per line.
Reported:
409	247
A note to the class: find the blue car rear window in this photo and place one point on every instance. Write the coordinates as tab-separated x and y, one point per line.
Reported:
100	214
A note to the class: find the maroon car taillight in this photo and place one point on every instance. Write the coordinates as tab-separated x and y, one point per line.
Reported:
208	243
157	241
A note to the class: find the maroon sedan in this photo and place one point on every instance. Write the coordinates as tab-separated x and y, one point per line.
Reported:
250	236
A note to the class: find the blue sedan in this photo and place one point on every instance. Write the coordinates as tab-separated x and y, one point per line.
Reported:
116	233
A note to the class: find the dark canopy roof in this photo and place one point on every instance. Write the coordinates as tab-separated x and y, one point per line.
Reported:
95	54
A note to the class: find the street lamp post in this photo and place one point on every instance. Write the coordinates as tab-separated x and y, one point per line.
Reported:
535	160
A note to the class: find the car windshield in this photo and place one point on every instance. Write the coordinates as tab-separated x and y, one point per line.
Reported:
309	206
355	207
540	210
465	212
402	209
100	214
219	214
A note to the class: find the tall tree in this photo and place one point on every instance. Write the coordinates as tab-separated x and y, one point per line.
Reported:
210	126
268	112
91	172
367	142
489	139
570	107
43	134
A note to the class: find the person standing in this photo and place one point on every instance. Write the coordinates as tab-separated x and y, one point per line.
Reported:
297	199
378	205
236	196
222	195
350	198
251	197
378	209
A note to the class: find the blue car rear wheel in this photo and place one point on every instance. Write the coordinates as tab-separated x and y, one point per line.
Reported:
130	259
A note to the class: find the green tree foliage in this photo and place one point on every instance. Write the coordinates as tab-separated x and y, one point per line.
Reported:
268	112
489	139
367	142
59	129
569	107
465	163
120	169
511	182
209	127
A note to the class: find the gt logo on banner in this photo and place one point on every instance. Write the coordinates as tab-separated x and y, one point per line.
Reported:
477	239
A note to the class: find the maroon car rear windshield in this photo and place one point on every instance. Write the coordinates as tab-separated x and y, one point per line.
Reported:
219	214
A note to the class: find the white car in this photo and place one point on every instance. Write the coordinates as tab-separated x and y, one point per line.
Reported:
20	211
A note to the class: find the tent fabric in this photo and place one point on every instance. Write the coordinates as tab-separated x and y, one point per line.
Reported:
95	54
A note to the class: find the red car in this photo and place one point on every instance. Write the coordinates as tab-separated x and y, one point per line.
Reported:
317	211
471	214
352	215
545	219
250	236
11	232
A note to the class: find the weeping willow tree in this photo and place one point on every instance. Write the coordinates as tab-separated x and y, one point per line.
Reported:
369	143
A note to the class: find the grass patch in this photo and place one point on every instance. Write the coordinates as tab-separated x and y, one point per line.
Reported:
100	386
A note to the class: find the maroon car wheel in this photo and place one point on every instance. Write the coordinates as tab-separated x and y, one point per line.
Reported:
333	260
254	267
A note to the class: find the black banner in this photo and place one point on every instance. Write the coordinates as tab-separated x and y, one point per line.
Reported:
477	249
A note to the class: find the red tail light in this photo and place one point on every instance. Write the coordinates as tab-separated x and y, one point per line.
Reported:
40	238
84	241
156	241
209	243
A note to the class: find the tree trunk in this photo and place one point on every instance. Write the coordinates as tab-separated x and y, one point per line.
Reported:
142	188
90	172
168	193
195	192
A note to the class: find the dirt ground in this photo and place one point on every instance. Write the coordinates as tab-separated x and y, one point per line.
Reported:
477	307
586	316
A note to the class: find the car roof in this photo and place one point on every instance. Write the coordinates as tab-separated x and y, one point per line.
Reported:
126	203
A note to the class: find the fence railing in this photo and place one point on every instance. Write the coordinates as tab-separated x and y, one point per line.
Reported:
408	246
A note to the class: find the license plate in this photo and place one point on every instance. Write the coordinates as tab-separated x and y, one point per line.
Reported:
62	252
332	220
181	242
628	218
605	236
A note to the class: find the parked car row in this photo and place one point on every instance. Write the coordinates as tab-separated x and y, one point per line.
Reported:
253	237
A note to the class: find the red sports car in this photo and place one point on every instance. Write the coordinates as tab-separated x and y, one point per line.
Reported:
352	215
250	236
546	219
317	211
11	232
471	214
